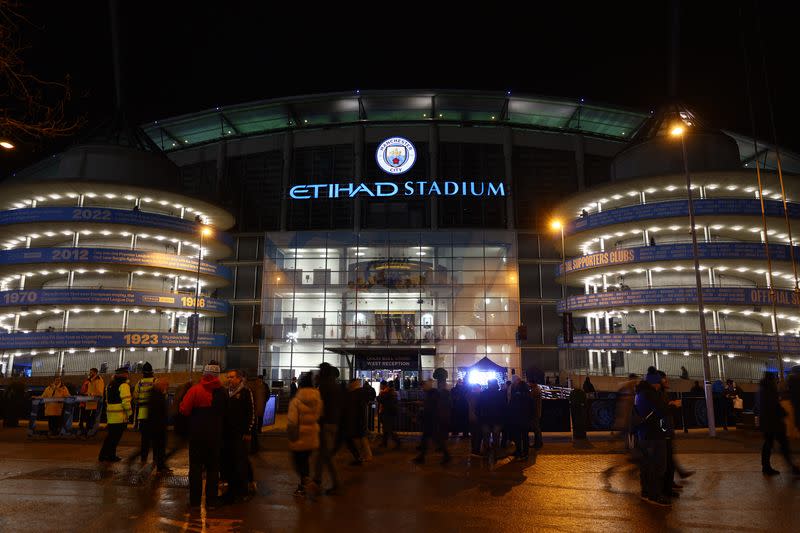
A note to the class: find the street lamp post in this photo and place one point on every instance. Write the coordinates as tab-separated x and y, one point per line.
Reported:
194	331
678	131
557	225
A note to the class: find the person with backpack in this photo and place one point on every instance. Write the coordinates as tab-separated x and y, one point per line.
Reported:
204	405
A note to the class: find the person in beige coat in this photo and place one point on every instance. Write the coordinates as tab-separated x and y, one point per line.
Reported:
54	410
305	409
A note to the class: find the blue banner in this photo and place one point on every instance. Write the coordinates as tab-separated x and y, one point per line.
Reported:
105	339
717	342
746	296
110	297
113	256
677	252
108	216
680	209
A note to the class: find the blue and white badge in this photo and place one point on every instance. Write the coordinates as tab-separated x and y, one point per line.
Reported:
396	155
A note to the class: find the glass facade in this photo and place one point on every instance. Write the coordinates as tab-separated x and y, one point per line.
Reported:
437	298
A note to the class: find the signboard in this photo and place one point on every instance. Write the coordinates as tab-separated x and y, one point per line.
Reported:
387	362
105	339
745	296
567	327
268	418
114	256
192	327
107	216
676	252
396	155
166	300
680	209
717	342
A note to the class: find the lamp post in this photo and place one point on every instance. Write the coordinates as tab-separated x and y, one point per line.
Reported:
556	225
194	331
678	131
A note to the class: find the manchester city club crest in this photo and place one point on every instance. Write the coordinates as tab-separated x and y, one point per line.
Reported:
396	155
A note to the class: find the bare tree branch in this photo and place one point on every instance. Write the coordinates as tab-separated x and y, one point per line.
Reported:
30	107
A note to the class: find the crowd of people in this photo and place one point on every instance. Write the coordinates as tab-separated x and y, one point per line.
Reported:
652	422
323	415
221	423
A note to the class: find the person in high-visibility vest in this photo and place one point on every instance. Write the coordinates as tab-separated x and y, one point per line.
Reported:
118	411
141	397
93	386
54	410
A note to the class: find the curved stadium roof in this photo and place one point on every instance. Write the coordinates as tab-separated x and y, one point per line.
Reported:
453	107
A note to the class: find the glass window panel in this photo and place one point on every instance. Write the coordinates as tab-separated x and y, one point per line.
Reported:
469	263
242	324
248	248
245	281
552	324
528	245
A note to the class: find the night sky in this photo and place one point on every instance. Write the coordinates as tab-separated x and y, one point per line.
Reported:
182	57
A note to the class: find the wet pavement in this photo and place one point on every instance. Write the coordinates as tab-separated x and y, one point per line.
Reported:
53	485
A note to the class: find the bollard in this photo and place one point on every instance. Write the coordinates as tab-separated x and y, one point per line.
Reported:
577	408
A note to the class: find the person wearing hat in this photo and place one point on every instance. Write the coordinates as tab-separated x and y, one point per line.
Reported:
205	404
141	397
118	411
650	412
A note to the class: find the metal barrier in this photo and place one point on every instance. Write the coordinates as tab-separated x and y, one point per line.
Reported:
72	406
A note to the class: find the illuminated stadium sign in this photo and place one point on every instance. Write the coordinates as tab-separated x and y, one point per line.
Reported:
396	155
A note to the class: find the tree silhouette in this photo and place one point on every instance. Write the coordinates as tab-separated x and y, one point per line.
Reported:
30	107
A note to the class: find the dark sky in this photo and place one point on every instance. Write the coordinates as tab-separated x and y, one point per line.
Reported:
180	57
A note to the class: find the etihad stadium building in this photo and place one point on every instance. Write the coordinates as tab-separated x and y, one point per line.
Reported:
387	233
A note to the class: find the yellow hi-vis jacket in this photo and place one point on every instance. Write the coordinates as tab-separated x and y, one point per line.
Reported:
118	402
141	396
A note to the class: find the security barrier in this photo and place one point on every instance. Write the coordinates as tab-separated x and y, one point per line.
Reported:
71	408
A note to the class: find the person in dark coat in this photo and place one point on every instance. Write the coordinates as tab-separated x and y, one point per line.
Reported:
157	415
492	413
388	409
771	419
204	405
435	409
460	409
332	400
519	411
293	388
237	432
588	386
354	422
650	422
260	392
793	386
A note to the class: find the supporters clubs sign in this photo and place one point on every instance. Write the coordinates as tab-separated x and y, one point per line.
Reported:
676	252
395	156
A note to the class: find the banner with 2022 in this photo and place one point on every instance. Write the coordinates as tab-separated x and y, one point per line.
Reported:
107	216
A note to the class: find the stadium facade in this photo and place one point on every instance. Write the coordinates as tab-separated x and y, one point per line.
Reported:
381	232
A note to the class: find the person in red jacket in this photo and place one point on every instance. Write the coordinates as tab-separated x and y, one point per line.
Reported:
204	405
